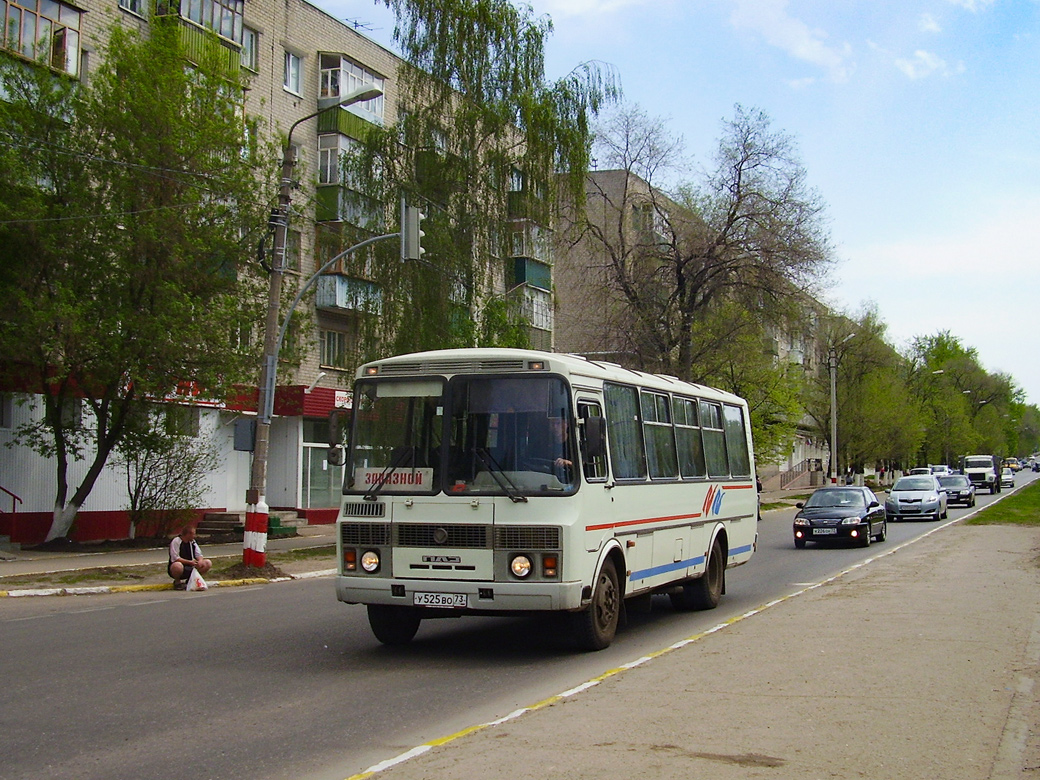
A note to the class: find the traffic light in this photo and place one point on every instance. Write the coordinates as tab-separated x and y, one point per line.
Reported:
411	233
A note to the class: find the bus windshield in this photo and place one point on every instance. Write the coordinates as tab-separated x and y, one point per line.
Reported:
511	436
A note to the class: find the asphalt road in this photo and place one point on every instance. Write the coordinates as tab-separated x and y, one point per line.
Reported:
283	681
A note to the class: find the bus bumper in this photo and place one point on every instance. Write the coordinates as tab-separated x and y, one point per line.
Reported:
480	596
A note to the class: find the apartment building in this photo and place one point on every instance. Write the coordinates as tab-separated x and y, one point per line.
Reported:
297	59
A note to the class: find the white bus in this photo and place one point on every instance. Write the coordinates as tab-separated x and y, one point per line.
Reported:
501	481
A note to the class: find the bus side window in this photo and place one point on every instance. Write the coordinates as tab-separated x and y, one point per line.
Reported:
593	463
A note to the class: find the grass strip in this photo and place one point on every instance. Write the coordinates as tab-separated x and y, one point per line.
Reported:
1020	508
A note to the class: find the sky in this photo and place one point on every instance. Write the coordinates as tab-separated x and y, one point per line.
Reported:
917	121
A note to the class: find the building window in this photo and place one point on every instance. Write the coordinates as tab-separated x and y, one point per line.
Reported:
293	244
329	146
43	30
334	348
224	17
516	180
6	410
133	6
293	73
182	420
341	76
250	49
72	414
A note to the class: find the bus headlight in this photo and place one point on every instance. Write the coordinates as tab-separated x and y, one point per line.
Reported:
370	561
520	566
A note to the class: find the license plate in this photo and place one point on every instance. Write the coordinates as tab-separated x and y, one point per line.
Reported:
444	600
824	531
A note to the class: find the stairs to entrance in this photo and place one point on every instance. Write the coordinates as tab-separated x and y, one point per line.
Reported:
230	526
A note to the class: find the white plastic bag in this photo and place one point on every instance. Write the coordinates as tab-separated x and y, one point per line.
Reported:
195	581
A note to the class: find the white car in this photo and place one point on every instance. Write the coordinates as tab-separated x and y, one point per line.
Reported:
1007	477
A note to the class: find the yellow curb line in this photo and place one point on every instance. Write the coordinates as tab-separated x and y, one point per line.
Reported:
99	589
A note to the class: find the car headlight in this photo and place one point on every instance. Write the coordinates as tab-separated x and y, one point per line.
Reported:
370	561
851	521
520	566
801	521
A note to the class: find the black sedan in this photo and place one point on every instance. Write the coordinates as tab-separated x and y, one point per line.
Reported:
848	513
958	489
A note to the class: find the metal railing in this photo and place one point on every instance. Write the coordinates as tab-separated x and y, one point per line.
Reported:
15	500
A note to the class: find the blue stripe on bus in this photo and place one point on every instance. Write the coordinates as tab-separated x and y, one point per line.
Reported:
739	550
668	567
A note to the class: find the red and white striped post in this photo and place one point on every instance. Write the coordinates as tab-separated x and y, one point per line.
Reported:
254	543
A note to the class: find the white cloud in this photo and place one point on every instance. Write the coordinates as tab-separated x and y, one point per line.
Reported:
927	23
972	5
925	63
770	19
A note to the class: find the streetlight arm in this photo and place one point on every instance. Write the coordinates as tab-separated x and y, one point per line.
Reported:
268	410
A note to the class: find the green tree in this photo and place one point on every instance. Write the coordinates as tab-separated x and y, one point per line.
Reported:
126	201
879	416
166	464
480	137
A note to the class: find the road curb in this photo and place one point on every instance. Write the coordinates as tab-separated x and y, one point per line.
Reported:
100	589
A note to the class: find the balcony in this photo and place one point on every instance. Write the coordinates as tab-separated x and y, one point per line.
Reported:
348	294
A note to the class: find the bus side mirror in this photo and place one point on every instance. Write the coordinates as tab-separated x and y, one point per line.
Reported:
337	454
595	437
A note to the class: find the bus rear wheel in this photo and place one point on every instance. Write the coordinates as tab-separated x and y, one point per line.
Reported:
393	625
594	627
705	592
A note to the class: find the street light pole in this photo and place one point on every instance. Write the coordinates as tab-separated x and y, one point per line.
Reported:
833	364
255	539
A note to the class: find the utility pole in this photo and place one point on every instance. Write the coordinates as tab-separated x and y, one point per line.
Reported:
254	552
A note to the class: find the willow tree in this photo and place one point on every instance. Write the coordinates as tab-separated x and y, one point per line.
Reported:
124	250
480	136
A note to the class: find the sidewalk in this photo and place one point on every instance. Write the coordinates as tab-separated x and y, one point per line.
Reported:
921	665
26	563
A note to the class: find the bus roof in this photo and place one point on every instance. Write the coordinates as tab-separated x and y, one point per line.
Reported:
494	360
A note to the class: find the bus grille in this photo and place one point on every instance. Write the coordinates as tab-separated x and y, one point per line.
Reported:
375	534
364	509
524	537
458	536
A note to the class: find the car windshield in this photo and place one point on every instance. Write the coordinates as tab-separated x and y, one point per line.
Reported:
954	481
915	483
836	498
978	463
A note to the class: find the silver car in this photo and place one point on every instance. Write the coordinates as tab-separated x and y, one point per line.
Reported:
916	496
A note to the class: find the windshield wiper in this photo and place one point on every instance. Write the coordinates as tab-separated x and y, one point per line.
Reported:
496	471
395	463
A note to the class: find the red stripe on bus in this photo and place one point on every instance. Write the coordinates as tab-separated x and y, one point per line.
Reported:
644	521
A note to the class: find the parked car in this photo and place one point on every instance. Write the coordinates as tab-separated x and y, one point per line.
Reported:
958	488
914	496
849	513
1007	477
920	470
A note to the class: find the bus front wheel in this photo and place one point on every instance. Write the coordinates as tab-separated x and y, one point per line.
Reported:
595	626
705	592
393	625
